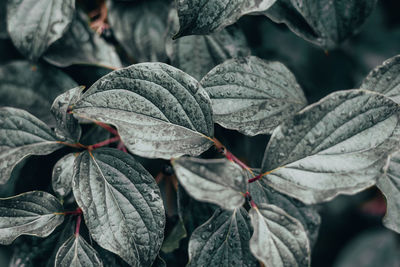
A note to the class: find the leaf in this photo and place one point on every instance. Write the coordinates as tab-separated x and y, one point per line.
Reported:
251	95
140	28
121	204
389	184
159	111
77	252
159	262
218	181
208	16
61	180
3	20
22	135
172	241
335	146
67	127
32	213
34	25
198	54
278	239
81	45
32	87
385	79
223	240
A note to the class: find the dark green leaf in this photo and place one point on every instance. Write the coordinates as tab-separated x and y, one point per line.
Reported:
62	175
34	25
159	262
218	181
335	146
278	239
159	111
223	240
3	20
32	213
22	135
251	95
121	204
172	241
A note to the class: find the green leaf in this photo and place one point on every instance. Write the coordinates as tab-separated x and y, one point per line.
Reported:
251	95
278	239
32	213
140	28
81	45
77	252
121	204
3	20
385	79
335	146
218	181
208	16
22	135
198	54
67	127
32	87
389	184
223	240
159	111
159	262
34	25
61	180
172	241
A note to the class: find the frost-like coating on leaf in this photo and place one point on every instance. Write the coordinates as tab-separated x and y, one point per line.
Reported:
77	252
67	127
159	111
121	204
63	171
217	181
81	45
223	241
335	146
389	184
251	95
385	79
140	28
32	213
22	135
278	239
32	87
34	25
208	16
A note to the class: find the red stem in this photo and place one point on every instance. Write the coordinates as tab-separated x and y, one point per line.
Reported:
78	224
253	204
258	177
78	211
107	127
104	143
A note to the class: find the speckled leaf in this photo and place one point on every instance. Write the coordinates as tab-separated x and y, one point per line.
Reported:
63	170
121	204
3	20
22	135
335	146
385	79
223	241
198	54
81	45
218	181
31	213
140	28
251	95
278	238
389	184
67	127
159	111
77	252
34	25
208	16
32	87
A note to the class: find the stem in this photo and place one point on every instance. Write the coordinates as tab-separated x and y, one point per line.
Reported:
107	127
78	211
76	145
104	143
78	224
258	177
122	147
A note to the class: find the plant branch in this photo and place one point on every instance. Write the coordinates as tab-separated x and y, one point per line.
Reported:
104	143
78	224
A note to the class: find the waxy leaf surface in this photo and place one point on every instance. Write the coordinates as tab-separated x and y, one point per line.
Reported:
63	171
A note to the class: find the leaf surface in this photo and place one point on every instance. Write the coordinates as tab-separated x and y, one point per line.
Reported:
63	171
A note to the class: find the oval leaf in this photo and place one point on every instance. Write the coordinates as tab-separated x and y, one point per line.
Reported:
22	135
217	181
223	241
33	213
62	175
159	111
335	146
34	25
121	204
251	95
77	252
278	239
